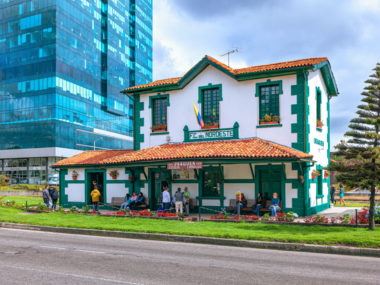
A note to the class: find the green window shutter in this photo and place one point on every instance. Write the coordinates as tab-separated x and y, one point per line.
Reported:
319	103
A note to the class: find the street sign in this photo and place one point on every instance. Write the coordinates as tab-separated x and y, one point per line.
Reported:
185	165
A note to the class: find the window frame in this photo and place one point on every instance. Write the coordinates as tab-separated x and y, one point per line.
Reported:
318	99
201	100
269	83
152	100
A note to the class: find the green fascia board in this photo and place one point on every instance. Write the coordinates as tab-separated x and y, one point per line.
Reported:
159	133
164	162
268	126
328	77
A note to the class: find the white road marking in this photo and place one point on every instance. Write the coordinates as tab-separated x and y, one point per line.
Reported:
71	275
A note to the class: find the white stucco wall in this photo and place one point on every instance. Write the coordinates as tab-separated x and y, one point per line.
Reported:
239	104
230	190
75	192
69	175
237	171
116	190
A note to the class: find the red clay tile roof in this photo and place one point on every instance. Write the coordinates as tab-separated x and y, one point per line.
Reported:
92	157
259	68
233	149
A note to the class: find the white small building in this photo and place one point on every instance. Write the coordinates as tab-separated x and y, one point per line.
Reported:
266	129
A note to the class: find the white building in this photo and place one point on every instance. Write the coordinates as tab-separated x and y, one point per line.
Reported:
267	129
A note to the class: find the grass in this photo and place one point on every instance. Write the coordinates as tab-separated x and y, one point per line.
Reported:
21	187
358	237
20	200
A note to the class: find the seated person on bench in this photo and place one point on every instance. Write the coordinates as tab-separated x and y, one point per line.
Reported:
275	204
243	203
126	203
260	203
139	201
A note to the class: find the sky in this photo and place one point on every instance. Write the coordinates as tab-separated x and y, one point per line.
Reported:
345	31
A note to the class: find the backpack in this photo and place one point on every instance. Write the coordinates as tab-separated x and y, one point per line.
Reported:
54	196
45	195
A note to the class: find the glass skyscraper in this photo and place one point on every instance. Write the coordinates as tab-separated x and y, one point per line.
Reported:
63	64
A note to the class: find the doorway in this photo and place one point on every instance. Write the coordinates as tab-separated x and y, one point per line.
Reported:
159	180
270	182
98	178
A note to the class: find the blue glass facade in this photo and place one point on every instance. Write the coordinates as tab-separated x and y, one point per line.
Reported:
63	64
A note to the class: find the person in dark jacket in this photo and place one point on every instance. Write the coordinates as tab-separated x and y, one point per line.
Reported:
54	197
139	201
260	203
332	194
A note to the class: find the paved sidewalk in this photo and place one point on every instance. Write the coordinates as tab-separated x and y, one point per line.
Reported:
339	211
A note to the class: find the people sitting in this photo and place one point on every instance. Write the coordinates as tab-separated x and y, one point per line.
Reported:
243	203
133	200
140	200
260	203
126	203
275	204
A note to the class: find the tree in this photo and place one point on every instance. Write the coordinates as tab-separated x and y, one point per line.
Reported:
360	155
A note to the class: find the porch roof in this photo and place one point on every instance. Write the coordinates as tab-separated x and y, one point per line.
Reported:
250	149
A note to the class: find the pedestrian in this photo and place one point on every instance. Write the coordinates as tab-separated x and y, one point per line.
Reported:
46	196
178	196
341	195
332	194
54	197
166	199
95	195
186	200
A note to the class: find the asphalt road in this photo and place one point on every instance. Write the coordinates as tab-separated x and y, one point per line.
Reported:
29	257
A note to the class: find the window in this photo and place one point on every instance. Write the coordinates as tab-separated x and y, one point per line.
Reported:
211	183
319	183
159	117
210	107
270	104
319	103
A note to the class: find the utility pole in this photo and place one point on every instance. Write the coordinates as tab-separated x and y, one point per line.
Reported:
228	55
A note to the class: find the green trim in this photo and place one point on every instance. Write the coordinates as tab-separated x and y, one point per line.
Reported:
159	133
209	86
181	181
318	142
268	83
268	126
319	130
328	77
88	184
239	180
138	123
211	134
159	96
62	186
320	195
200	186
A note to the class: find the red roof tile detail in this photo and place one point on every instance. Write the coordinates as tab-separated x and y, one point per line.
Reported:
259	68
233	149
92	157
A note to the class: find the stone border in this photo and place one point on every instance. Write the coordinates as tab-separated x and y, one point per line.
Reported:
345	250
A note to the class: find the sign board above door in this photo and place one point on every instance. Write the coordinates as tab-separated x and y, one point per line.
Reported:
185	165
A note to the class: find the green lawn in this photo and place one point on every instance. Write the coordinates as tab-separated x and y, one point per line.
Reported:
349	204
267	232
20	200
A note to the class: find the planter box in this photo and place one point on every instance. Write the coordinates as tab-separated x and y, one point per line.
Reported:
269	123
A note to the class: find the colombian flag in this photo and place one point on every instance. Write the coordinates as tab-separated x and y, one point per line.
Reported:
198	116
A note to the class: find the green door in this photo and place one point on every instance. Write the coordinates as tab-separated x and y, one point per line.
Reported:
160	178
270	182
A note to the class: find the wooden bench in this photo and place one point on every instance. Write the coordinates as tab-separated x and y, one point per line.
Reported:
117	201
144	205
267	204
248	208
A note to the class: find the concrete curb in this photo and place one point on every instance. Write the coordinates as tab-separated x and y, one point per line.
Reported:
345	250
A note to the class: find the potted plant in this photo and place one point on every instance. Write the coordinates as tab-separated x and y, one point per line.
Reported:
319	124
114	174
326	174
314	174
211	125
74	175
159	128
270	120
